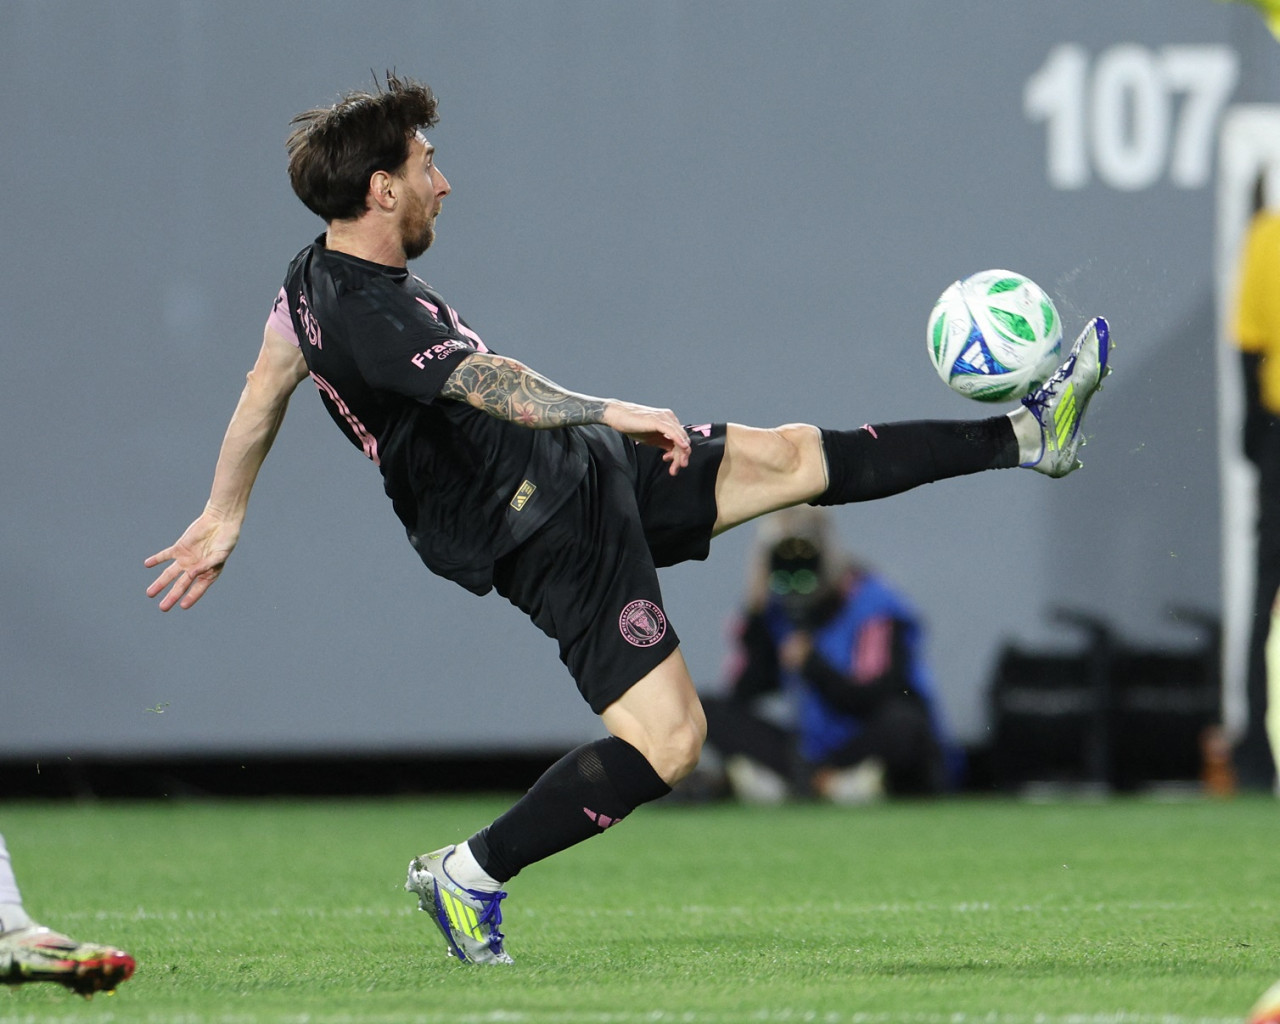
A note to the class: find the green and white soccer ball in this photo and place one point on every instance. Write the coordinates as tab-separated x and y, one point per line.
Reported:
994	336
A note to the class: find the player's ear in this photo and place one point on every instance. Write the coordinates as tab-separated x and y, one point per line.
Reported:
382	191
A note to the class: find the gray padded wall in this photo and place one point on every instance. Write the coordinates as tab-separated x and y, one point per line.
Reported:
740	210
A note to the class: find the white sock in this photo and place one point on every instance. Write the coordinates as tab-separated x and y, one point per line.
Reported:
1027	431
464	869
11	912
13	917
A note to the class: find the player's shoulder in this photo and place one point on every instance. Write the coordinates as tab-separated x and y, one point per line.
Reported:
427	298
306	254
383	309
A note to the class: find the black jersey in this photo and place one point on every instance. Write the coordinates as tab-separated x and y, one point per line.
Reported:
380	344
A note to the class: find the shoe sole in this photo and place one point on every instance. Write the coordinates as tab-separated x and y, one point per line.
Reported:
1103	331
423	882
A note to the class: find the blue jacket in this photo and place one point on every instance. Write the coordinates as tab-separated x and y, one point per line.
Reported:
852	643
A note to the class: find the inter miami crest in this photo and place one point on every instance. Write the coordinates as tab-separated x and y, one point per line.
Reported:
642	623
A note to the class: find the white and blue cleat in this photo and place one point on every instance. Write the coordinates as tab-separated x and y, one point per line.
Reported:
1059	404
467	918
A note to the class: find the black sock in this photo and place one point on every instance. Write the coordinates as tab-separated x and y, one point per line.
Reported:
578	797
877	461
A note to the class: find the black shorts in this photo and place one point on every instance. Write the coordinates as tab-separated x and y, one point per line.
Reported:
587	577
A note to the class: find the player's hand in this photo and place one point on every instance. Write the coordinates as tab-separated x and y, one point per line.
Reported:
195	560
657	427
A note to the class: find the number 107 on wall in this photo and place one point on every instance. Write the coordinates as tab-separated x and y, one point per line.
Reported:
1132	115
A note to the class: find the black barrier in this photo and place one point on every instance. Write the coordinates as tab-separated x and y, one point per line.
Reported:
1106	713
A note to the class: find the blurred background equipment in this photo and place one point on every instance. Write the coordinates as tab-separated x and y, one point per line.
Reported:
1106	715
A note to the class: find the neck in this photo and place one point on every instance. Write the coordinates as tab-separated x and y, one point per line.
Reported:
365	241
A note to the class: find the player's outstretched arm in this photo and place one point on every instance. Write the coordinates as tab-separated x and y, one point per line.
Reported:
509	390
196	558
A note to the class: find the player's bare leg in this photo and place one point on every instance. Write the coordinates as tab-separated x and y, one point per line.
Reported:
662	718
767	469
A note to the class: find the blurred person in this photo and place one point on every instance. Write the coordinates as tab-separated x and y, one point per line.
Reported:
1256	329
32	952
562	502
860	717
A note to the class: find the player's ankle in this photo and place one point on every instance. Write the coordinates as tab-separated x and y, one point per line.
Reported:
464	869
1027	432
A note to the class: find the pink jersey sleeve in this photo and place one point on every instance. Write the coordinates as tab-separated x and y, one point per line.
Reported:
280	321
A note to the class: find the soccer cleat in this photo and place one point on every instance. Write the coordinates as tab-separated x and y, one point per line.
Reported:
39	954
1058	405
468	918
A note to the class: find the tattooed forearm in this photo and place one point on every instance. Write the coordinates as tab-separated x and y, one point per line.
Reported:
511	391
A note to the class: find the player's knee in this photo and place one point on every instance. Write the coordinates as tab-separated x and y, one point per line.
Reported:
798	445
685	753
678	753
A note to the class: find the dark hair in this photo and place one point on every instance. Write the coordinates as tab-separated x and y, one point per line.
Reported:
333	151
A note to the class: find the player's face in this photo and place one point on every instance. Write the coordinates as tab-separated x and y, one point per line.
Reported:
426	187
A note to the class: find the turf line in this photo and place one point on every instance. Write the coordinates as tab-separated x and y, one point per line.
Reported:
771	1016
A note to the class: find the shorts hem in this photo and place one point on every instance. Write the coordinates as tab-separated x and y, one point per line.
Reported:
600	697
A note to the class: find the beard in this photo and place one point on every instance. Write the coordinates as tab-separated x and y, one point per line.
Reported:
418	229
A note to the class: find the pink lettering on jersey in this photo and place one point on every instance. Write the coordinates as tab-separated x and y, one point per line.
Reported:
419	359
309	323
280	321
368	443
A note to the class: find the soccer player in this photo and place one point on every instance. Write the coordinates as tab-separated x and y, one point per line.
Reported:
31	952
562	502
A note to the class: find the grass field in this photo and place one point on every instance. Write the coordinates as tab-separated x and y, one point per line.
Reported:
956	912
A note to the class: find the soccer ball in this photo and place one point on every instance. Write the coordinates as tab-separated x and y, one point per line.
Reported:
994	336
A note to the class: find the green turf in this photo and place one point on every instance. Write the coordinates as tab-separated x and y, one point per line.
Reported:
956	912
